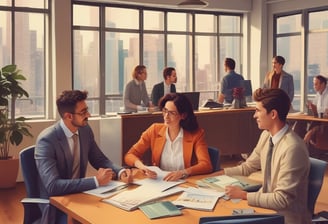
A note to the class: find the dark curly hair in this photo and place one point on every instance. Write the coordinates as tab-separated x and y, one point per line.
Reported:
67	101
183	106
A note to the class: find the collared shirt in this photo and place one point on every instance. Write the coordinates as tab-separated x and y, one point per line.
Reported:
69	135
321	101
167	88
172	155
276	138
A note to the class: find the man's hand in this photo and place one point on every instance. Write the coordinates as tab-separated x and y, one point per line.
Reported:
104	176
235	192
126	176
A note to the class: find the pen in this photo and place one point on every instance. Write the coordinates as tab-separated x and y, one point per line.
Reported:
115	189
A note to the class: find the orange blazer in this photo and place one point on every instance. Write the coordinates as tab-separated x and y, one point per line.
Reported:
195	152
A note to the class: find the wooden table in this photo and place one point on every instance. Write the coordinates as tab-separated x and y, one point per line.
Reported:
86	208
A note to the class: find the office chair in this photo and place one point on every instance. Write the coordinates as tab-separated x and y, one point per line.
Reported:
244	219
32	212
316	175
214	156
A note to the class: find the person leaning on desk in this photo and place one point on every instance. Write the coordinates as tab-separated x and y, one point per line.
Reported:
135	93
285	187
62	164
177	145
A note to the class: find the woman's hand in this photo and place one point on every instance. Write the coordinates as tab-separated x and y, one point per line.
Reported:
176	175
126	176
149	173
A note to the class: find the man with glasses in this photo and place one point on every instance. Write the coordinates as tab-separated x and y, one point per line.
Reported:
63	151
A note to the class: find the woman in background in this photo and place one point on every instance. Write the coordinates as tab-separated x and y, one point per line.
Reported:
177	145
135	94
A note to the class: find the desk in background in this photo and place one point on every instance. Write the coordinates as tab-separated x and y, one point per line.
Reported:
305	117
89	209
232	131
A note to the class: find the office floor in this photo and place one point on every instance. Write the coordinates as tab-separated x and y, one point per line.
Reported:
11	210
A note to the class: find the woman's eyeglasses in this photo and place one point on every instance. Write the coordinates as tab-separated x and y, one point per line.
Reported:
169	112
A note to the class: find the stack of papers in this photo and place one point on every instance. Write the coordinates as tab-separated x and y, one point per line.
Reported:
149	190
110	189
199	199
131	199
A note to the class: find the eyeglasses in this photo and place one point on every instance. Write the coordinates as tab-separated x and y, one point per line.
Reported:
169	112
82	113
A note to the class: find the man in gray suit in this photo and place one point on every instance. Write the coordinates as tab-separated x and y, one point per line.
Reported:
55	155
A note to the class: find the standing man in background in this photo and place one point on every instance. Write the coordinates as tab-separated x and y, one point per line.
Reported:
165	87
230	80
278	78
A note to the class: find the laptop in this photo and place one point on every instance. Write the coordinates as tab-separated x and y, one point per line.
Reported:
193	98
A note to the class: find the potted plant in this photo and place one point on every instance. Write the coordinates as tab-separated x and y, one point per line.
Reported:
12	129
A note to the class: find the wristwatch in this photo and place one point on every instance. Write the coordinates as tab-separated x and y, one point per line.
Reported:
184	174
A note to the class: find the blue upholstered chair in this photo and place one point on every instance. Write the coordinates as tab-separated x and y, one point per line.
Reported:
32	212
214	155
316	175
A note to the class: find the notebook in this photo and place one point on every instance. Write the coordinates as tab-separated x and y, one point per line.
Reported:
160	209
193	98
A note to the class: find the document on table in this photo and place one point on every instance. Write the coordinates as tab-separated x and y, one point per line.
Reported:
112	188
131	199
199	199
158	183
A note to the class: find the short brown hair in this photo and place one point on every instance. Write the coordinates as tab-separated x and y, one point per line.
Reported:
167	72
274	99
67	100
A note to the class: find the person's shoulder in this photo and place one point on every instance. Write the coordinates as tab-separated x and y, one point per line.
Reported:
286	74
157	85
50	131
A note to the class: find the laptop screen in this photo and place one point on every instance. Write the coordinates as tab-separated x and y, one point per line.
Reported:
193	98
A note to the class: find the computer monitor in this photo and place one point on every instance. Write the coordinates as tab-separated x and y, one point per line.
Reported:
193	98
247	85
244	219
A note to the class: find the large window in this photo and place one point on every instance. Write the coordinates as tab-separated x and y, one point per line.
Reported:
109	40
307	32
24	41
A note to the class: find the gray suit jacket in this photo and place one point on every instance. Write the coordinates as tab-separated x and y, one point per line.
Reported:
286	83
54	162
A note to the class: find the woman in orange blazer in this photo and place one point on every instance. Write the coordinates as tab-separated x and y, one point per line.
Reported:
177	145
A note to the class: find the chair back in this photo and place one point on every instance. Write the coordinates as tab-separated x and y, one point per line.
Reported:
30	172
244	219
316	175
214	154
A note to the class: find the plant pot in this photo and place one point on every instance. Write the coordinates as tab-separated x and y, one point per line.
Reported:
8	172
